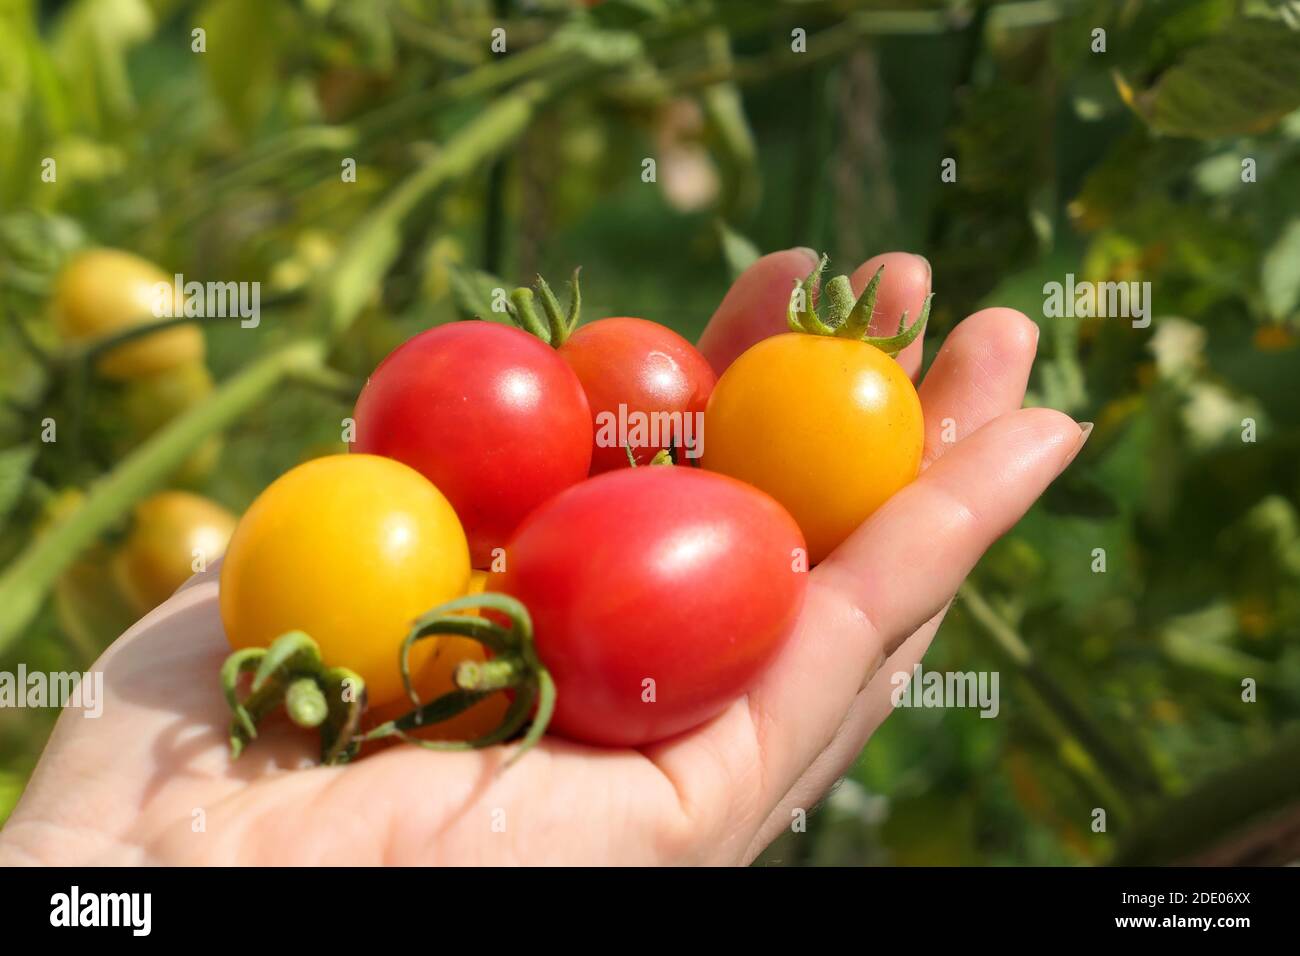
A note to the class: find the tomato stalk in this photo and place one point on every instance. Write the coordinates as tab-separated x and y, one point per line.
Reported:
514	666
848	316
290	672
559	322
661	457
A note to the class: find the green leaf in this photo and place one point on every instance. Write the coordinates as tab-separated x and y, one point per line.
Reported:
1243	81
91	41
473	291
1280	279
738	250
242	48
15	464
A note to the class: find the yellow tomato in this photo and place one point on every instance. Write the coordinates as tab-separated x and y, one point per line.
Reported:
829	427
350	549
173	535
104	291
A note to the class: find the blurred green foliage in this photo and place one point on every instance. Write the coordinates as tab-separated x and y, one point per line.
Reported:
1165	149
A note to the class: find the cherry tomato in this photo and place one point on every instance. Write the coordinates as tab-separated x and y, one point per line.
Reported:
647	369
829	427
103	291
173	535
489	414
350	549
436	677
657	595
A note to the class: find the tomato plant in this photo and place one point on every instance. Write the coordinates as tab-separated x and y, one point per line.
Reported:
486	412
145	405
821	418
170	532
642	379
349	549
657	595
105	291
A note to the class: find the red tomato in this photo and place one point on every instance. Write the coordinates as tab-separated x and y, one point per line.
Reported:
489	414
657	595
648	369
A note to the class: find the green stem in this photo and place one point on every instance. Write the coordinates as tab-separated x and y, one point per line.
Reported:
92	350
525	312
361	266
496	674
327	381
305	703
25	582
375	245
264	160
1113	772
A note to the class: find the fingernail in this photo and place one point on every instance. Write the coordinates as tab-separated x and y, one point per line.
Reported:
813	258
929	273
1085	429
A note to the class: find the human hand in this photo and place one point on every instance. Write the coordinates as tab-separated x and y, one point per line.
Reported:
151	780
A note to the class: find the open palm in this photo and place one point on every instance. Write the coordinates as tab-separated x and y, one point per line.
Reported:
151	780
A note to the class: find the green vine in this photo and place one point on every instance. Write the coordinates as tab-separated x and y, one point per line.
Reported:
343	293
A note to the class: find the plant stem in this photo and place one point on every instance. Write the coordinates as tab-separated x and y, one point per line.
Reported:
24	584
362	263
361	266
1115	771
328	381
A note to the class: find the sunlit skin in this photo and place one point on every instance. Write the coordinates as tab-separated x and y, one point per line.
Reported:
489	414
170	531
829	427
350	549
103	291
643	366
123	788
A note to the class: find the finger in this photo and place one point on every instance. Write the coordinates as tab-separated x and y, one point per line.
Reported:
980	373
942	522
754	307
211	573
870	708
897	572
903	287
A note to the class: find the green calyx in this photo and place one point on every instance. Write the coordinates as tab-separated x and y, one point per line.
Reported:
848	316
514	665
662	457
554	325
290	673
